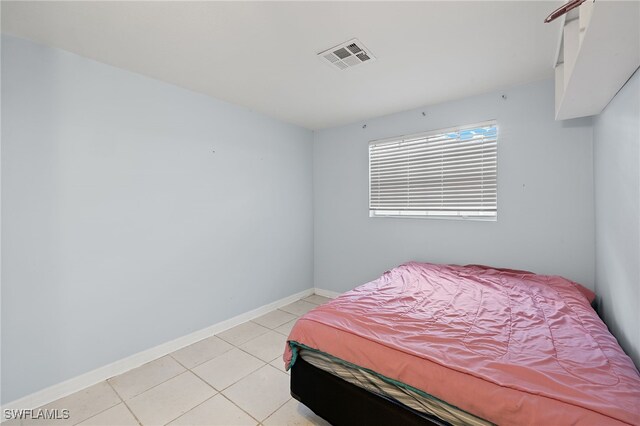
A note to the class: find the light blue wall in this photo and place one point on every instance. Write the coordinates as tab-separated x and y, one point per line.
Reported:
617	200
121	228
545	195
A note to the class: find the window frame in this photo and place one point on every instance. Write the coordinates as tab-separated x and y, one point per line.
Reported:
426	214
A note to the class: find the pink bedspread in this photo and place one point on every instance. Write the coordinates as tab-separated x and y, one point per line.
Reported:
510	347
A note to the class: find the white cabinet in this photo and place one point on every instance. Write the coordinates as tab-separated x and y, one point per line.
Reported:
599	50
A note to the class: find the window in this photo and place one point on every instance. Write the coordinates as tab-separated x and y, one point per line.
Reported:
449	173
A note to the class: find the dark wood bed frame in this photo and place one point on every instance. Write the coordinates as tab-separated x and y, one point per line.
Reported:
342	403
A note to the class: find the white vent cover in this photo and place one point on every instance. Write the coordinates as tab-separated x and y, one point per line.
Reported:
347	55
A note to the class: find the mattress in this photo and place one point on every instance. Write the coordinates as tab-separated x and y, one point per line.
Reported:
390	389
509	347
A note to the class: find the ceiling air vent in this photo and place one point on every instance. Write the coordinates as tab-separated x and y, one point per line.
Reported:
347	55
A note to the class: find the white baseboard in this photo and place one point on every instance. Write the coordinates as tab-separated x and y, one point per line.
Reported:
326	293
60	390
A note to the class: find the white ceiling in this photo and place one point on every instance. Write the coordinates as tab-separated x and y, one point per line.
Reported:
262	55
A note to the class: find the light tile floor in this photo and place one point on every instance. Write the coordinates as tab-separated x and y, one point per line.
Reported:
234	378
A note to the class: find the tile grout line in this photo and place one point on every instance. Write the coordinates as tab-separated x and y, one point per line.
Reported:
192	408
125	402
227	387
158	384
93	415
260	422
161	383
102	411
211	359
201	379
186	369
239	408
274	328
154	386
270	414
260	359
132	413
233	344
181	364
274	411
220	392
267	363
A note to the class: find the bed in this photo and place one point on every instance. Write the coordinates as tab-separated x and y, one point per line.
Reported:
473	345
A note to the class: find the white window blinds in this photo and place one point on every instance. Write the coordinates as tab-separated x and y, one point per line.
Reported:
445	173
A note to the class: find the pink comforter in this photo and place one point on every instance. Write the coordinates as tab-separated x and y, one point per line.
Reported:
510	347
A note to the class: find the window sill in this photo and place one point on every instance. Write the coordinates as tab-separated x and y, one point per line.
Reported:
425	216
